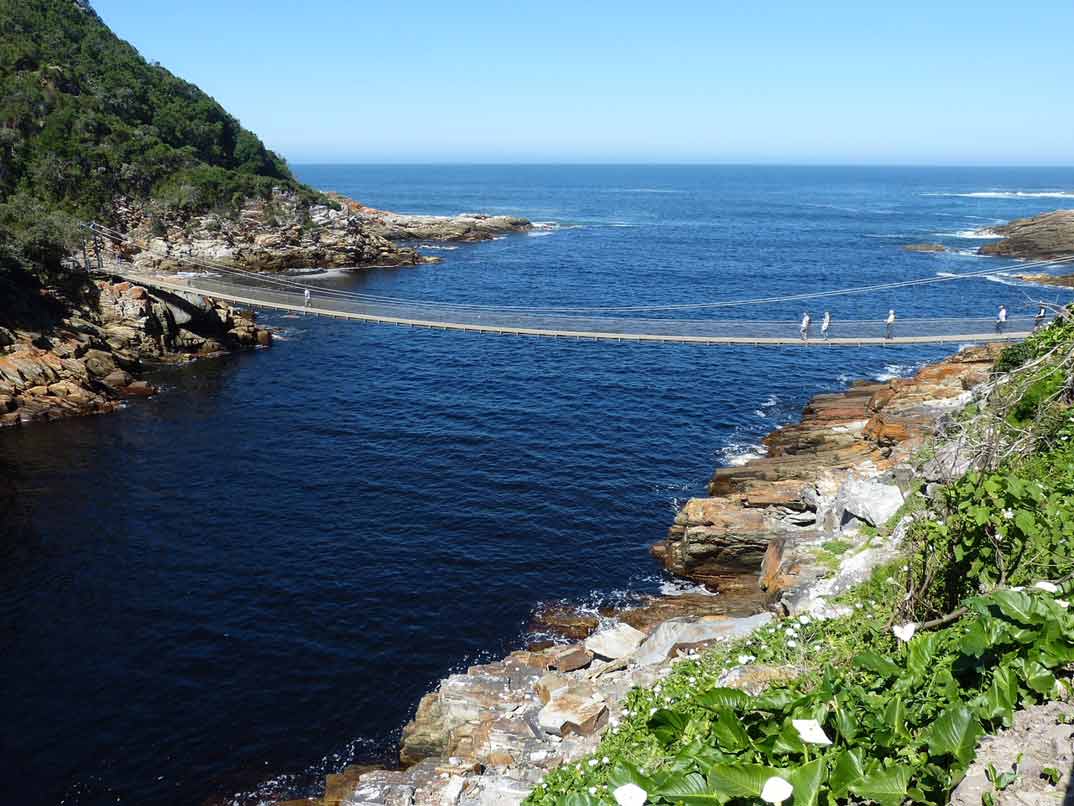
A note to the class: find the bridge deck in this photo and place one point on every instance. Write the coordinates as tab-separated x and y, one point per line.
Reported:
520	323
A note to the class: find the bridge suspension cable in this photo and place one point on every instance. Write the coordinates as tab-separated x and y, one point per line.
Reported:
115	238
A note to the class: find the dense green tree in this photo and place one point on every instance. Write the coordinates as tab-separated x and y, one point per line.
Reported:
85	119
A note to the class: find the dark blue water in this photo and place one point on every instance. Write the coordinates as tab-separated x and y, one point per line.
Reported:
252	578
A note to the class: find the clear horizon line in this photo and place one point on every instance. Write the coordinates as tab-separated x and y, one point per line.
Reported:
697	164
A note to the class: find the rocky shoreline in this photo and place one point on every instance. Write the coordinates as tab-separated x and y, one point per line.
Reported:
86	359
841	475
1048	236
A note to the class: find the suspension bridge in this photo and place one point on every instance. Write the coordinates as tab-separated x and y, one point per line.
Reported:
658	323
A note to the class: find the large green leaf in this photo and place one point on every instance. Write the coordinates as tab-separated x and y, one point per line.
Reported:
807	781
884	667
920	656
729	732
955	733
1015	604
847	771
775	700
623	772
895	716
691	789
999	699
740	780
885	786
846	723
720	698
1035	676
668	726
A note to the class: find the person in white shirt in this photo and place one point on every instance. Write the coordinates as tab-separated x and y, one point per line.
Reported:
1001	318
1038	320
305	299
825	324
804	329
889	324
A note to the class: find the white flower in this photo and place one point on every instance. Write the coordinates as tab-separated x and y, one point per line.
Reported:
1008	514
613	722
605	760
593	762
904	632
1048	587
744	659
630	795
657	690
592	790
810	731
776	790
1063	603
804	619
652	711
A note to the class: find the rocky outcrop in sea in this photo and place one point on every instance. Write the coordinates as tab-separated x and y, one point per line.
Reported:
288	231
488	735
1041	237
87	361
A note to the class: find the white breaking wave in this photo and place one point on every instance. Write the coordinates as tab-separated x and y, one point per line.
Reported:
894	371
442	247
1010	194
972	234
738	453
678	587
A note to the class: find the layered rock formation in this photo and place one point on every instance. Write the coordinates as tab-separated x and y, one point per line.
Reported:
288	231
839	466
1041	237
86	362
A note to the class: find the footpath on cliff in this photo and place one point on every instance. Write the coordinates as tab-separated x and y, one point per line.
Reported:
779	537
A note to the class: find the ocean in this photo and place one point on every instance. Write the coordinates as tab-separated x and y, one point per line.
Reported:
222	593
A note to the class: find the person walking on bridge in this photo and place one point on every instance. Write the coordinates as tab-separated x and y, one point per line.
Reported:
1001	318
889	324
825	324
804	329
1038	320
305	300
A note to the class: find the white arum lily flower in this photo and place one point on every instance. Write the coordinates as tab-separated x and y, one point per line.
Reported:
904	632
1046	586
810	731
630	795
1063	603
776	790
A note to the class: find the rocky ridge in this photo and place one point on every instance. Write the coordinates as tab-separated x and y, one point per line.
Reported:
287	231
1041	237
86	361
488	735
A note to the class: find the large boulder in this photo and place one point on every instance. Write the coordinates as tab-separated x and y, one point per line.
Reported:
688	633
615	642
866	500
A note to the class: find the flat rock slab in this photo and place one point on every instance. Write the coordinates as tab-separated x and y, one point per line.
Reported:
687	633
578	712
615	642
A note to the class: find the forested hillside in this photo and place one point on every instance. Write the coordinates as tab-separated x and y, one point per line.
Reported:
84	119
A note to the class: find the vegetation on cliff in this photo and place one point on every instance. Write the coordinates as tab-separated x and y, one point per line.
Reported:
84	120
886	702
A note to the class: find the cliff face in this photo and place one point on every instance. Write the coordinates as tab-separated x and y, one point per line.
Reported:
1042	237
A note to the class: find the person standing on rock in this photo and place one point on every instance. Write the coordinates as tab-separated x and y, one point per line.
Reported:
1001	318
804	329
825	324
305	299
889	324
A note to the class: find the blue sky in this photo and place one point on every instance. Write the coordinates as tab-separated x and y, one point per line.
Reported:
418	81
